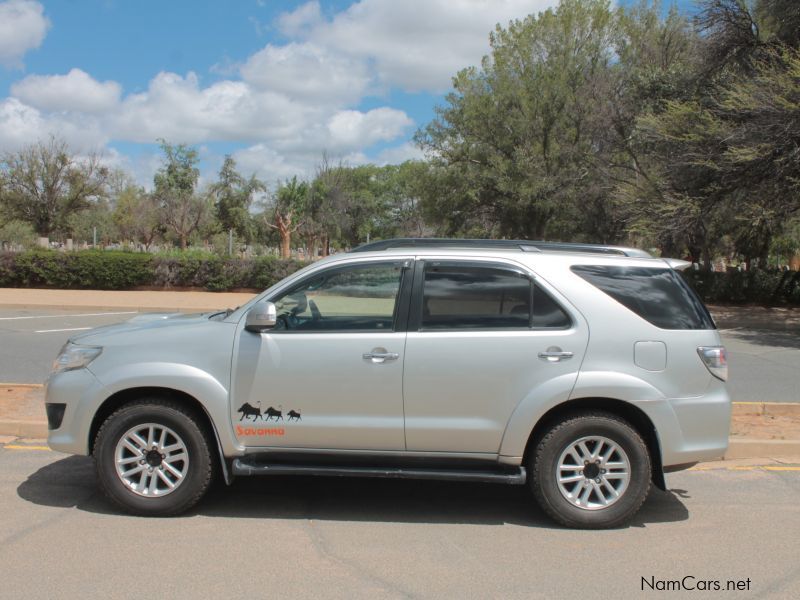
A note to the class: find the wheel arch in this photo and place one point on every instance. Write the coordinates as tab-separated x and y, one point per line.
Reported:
123	397
634	415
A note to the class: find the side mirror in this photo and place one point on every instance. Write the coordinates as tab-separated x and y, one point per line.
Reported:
262	317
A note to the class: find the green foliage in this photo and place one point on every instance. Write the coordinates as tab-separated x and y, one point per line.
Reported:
759	286
16	234
87	269
44	184
114	270
137	216
181	209
233	195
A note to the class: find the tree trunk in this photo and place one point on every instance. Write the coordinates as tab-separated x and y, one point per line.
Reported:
183	241
286	243
707	259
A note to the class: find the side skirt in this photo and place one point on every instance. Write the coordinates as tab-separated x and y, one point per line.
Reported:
243	466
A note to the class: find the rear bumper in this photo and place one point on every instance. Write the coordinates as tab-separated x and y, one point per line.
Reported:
692	430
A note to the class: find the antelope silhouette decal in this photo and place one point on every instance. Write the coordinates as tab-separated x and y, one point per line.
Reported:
248	410
293	415
273	412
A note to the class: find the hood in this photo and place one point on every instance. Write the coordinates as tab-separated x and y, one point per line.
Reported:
145	321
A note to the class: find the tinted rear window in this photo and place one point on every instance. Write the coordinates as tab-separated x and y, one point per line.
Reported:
660	296
456	297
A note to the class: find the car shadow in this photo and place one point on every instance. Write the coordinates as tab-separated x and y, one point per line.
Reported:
70	482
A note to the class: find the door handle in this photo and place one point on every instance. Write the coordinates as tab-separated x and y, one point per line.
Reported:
379	355
555	355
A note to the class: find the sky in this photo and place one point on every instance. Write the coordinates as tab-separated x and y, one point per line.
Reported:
274	83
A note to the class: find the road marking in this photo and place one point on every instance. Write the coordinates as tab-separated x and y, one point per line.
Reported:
18	447
105	314
747	468
21	385
59	330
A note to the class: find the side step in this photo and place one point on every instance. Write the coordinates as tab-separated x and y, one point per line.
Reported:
516	477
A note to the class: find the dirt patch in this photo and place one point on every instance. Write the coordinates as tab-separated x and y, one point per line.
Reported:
22	403
765	427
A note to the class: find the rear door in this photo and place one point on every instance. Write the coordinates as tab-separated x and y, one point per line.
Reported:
482	337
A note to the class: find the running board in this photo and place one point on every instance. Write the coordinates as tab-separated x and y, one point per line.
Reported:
516	477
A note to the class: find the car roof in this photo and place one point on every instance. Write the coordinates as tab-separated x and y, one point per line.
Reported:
518	250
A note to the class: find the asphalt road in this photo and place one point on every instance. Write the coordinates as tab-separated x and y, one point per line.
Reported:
351	538
764	365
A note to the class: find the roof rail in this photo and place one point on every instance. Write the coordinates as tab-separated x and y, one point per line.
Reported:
523	245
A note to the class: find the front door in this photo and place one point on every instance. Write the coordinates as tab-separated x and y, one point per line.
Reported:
329	376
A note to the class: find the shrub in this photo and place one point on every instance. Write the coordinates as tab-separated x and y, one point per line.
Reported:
746	287
116	270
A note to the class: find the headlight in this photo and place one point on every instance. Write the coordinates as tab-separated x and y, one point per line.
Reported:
73	357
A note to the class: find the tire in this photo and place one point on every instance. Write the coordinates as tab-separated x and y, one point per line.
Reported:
177	457
594	492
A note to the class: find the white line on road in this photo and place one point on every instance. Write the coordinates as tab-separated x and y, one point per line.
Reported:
57	330
129	312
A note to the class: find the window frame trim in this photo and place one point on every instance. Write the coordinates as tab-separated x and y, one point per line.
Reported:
418	287
402	300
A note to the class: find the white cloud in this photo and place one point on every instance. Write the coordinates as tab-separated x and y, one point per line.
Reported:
417	44
308	73
290	102
355	129
270	165
76	91
22	125
399	154
178	108
22	28
300	20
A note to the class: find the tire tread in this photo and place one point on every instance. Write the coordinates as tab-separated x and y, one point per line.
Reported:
205	448
538	461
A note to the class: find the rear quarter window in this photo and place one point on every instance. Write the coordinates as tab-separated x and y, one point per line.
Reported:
659	296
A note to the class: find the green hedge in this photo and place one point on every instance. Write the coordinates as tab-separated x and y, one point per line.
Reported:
114	270
747	287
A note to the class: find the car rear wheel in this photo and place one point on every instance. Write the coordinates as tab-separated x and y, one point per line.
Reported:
153	458
591	470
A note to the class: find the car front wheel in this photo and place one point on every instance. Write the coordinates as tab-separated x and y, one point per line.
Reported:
591	470
153	458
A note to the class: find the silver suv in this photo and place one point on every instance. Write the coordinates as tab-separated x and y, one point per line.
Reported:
585	372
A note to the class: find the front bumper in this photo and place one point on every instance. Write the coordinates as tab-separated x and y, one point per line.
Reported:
80	393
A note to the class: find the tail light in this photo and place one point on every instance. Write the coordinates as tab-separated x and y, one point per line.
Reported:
716	360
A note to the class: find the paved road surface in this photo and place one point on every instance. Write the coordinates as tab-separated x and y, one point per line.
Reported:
764	364
340	538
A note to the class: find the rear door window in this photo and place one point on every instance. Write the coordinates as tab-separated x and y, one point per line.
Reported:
659	296
485	297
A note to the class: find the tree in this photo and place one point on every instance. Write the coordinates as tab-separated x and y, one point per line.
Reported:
137	216
722	161
516	134
44	184
182	209
289	202
233	195
96	220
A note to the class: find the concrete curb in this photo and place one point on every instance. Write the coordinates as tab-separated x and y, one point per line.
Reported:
749	448
23	429
773	409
